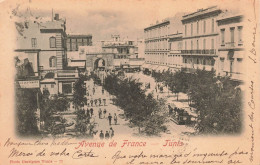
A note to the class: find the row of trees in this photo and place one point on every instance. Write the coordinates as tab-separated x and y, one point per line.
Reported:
142	110
217	99
27	102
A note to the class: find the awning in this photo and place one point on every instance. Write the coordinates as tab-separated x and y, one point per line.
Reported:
154	67
146	65
162	68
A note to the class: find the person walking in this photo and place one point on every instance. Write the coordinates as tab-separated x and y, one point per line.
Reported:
111	132
93	90
107	135
103	91
115	119
99	101
104	112
104	100
88	114
109	118
95	102
101	135
91	102
100	113
91	111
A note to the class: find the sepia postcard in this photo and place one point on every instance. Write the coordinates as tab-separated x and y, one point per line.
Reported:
139	82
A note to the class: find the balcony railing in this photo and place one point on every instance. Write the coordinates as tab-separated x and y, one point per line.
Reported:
199	51
230	44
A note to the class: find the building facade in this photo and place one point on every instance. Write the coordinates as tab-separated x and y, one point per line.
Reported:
74	41
43	46
156	44
175	56
230	46
200	39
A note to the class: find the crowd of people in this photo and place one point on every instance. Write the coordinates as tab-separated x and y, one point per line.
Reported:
96	104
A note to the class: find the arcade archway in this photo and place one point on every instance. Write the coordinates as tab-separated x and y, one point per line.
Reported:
99	64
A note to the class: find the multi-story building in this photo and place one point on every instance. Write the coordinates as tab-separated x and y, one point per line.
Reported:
230	46
156	44
175	56
200	39
43	45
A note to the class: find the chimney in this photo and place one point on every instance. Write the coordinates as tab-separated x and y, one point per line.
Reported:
56	17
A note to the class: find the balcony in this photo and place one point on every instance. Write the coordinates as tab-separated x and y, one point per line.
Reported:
199	52
231	45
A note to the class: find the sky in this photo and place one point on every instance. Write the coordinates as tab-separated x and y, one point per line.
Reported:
104	18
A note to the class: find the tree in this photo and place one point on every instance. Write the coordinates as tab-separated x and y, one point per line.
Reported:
26	106
219	110
79	91
140	109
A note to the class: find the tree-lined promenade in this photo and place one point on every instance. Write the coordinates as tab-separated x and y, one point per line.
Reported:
142	110
217	100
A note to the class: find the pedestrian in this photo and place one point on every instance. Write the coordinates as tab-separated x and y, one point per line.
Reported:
99	101
111	132
104	100
91	111
115	119
91	102
104	112
88	114
93	90
109	118
107	135
95	102
99	113
103	91
101	135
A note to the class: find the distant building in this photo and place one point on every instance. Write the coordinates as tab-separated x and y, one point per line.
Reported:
156	44
200	38
230	46
73	41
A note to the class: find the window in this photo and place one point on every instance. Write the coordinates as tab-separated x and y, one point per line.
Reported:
232	37
240	34
204	26
197	44
191	29
222	37
198	27
213	24
52	61
185	30
204	43
34	42
212	44
73	44
191	44
52	42
185	45
79	42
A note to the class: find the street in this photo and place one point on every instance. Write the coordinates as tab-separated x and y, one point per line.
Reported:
122	128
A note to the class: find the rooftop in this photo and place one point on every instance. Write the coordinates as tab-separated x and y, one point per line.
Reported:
200	12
